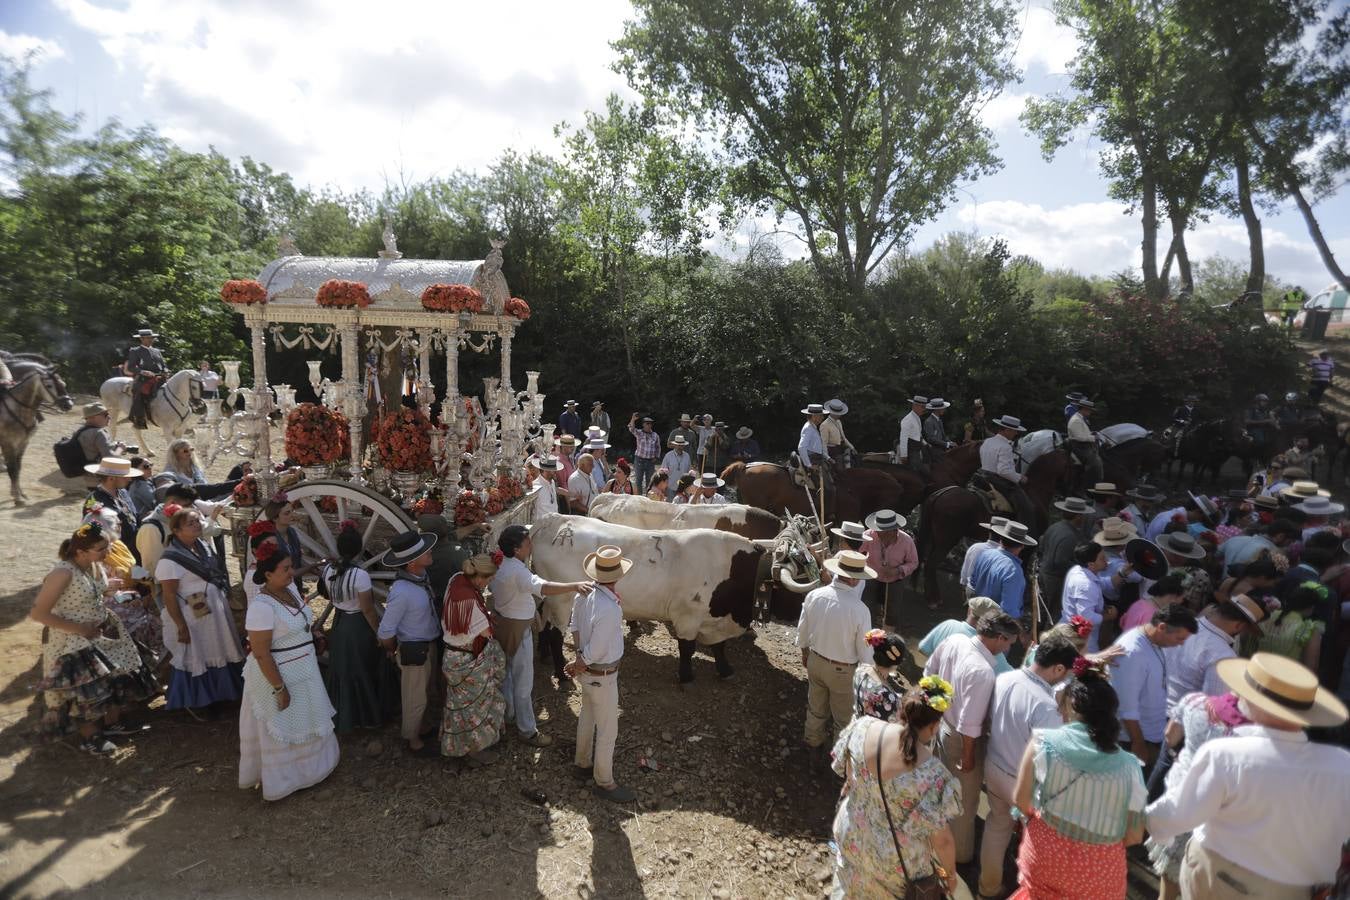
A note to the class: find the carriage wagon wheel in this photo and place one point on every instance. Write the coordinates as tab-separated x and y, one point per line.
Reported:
321	507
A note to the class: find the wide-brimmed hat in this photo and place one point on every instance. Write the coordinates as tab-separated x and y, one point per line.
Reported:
597	403
994	522
1114	532
1265	501
679	440
1074	506
547	463
595	431
1180	543
982	606
1319	506
113	465
1282	688
886	520
937	404
685	417
1104	489
1146	557
94	409
566	440
815	409
648	420
1075	396
570	403
850	531
709	480
1010	422
406	547
145	332
850	564
919	399
743	433
836	407
1085	403
1294	473
1208	508
597	444
1250	607
606	565
1305	489
1146	492
1015	531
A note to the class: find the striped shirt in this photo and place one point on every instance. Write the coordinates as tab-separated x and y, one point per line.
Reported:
1322	368
1092	807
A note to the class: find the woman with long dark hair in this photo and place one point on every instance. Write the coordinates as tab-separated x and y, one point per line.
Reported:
897	800
1082	796
361	681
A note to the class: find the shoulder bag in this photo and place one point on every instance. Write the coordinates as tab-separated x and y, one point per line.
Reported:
929	887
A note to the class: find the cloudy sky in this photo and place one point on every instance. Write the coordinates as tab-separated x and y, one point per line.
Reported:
357	94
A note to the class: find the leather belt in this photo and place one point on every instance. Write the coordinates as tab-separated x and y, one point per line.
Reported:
834	662
602	670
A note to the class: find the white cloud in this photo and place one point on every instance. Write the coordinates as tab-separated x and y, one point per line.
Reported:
1001	112
347	94
1045	44
17	46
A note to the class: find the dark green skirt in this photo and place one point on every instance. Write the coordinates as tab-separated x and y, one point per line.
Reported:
362	681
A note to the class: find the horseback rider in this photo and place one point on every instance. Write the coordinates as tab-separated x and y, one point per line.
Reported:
1083	443
909	449
146	366
934	433
977	429
810	446
1260	422
1183	418
1074	398
998	466
837	446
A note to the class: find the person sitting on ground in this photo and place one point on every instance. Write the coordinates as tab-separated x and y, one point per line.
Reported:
141	489
182	462
93	436
474	668
878	687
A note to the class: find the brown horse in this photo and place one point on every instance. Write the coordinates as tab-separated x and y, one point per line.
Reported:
1124	464
955	466
859	492
956	512
912	484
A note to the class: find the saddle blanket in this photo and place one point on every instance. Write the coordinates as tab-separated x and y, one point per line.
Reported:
1121	433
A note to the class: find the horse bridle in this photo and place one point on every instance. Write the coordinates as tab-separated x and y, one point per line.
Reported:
193	378
44	376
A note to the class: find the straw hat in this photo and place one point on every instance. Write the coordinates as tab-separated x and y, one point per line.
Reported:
886	520
937	404
1265	501
982	606
145	332
1104	489
814	409
406	547
606	565
1250	608
743	433
1015	531
1115	532
1282	688
1305	489
850	531
1295	473
94	409
1319	506
920	399
113	465
850	564
1145	492
547	463
679	441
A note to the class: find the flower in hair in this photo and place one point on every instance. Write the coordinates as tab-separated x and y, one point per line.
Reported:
265	551
347	524
89	529
280	497
1317	588
498	557
1081	626
261	527
938	690
875	638
172	509
1082	666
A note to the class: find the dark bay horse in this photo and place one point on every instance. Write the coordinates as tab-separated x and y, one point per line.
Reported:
955	466
1140	459
36	384
955	512
859	492
1209	445
912	484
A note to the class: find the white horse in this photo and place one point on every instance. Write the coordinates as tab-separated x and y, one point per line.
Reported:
170	409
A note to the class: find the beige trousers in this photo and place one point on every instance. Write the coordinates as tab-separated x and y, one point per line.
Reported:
829	695
963	826
1209	876
998	829
414	683
598	725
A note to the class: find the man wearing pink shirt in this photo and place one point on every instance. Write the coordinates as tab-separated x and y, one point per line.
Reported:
890	551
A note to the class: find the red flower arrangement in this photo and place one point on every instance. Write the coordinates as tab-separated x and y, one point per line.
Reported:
452	298
430	505
245	493
335	292
1081	626
243	292
403	440
1082	666
317	435
518	308
509	487
260	527
468	509
265	551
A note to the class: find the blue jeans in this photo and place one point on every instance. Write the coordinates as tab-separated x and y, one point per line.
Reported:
645	468
519	686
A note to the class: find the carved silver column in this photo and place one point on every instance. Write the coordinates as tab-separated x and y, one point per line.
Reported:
262	408
354	395
424	390
506	332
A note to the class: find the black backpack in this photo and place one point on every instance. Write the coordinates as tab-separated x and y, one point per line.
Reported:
70	455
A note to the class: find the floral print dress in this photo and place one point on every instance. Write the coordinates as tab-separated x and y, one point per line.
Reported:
874	697
922	801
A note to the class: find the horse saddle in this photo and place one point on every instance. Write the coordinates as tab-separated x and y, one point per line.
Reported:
990	496
798	473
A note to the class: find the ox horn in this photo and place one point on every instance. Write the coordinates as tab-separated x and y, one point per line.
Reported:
797	587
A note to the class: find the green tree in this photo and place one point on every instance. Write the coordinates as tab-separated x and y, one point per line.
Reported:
857	117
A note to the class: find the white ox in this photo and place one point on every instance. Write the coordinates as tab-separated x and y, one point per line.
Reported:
653	515
700	582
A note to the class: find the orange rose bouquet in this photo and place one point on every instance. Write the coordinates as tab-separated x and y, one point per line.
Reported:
245	493
468	509
243	292
403	440
518	308
452	298
347	294
317	435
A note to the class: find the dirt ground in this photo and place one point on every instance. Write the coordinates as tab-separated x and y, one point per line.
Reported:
730	812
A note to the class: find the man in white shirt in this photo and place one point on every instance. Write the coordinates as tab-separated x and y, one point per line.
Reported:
210	381
909	448
968	665
601	471
978	547
1140	679
676	462
581	486
597	635
1268	809
1023	700
1083	443
832	635
546	498
1194	665
997	462
706	489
